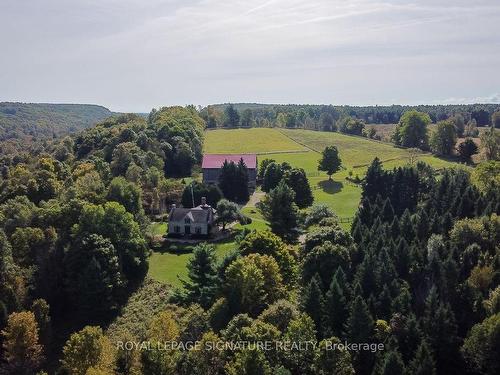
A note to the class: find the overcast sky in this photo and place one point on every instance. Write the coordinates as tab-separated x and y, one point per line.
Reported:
132	55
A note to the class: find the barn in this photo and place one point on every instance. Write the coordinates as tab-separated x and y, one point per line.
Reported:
212	164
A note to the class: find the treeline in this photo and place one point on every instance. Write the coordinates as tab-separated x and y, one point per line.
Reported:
325	117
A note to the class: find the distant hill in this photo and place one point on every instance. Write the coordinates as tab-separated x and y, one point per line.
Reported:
37	121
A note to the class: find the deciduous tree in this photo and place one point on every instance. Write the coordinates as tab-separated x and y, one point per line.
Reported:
22	350
330	161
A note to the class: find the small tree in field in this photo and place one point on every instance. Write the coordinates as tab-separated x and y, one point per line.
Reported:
330	161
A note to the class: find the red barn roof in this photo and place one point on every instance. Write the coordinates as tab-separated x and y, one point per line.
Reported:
215	161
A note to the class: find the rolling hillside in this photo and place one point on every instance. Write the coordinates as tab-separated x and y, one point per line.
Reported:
41	121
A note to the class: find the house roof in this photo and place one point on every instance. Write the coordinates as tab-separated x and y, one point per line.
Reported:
197	214
216	160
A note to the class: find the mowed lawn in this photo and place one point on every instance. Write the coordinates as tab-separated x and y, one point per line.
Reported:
254	140
170	267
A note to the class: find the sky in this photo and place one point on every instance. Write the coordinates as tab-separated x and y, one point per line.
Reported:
133	55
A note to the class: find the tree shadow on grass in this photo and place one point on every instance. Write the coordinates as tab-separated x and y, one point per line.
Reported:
331	186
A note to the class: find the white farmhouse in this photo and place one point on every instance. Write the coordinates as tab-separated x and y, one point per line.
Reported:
198	221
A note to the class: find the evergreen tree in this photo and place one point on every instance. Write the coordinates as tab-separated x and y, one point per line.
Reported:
423	363
279	209
402	302
402	258
335	312
406	227
422	225
411	338
203	278
242	192
467	149
383	304
263	166
392	364
364	213
232	119
374	183
273	174
442	333
296	178
312	302
226	179
359	326
387	211
466	208
395	228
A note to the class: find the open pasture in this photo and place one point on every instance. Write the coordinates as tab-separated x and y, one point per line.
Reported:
254	140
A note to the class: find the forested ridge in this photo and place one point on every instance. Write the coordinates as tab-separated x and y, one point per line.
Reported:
418	272
25	123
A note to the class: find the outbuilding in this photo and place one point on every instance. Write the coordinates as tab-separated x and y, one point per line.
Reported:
212	164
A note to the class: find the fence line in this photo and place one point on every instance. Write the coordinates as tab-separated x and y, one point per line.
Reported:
346	219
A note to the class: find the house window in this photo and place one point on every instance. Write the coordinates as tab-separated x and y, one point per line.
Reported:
197	230
187	220
177	229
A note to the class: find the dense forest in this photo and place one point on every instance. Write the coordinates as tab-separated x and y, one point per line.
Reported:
412	288
22	123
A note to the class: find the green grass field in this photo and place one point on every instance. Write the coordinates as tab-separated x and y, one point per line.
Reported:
339	194
158	229
255	140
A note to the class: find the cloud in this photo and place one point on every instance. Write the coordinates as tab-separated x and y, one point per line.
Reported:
131	54
489	99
